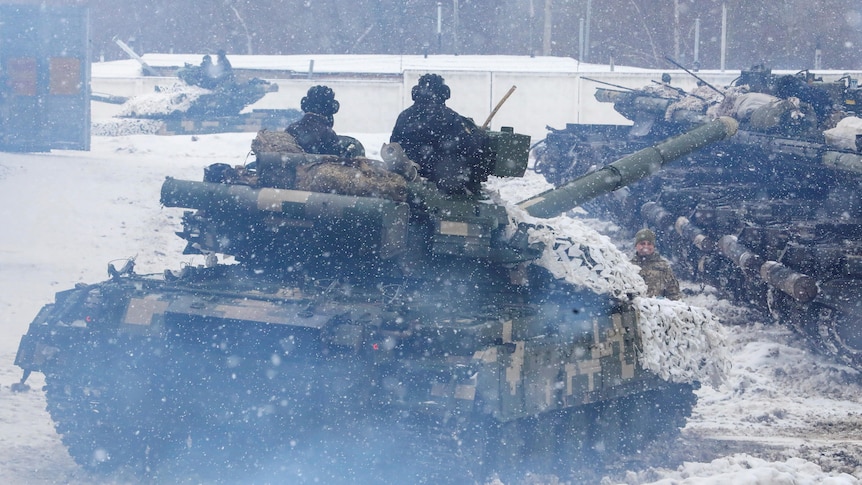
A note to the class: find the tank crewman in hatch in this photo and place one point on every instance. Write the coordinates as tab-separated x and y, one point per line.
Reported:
224	69
209	75
655	270
313	132
450	149
206	66
198	75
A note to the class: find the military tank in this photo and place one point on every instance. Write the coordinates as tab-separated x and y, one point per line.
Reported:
191	107
393	334
772	216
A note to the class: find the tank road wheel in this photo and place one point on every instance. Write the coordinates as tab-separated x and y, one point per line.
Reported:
826	330
475	452
435	450
578	443
509	449
107	409
228	411
601	435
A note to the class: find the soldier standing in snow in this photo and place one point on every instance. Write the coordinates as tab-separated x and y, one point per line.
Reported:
450	149
655	270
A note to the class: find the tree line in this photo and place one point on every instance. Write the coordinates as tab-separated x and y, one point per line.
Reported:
781	33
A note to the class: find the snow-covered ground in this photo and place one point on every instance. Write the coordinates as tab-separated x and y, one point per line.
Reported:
782	416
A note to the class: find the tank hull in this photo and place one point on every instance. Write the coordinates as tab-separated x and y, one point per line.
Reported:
215	368
375	329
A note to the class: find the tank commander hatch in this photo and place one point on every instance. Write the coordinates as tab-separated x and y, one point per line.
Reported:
655	270
450	149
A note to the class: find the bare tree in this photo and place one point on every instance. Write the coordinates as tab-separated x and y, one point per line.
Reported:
248	36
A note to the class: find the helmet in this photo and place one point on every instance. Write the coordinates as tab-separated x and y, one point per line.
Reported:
431	88
320	100
645	235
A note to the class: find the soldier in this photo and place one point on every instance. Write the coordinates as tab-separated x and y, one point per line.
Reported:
313	132
204	77
224	69
450	149
206	63
655	270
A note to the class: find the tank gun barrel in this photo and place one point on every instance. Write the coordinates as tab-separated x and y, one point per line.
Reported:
627	170
148	70
639	102
377	223
801	287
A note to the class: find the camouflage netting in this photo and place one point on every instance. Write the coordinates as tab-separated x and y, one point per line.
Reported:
681	343
574	252
331	174
354	176
176	98
762	112
267	141
126	126
581	256
844	134
702	98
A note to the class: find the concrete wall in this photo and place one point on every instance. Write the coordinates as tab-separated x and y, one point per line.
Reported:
372	105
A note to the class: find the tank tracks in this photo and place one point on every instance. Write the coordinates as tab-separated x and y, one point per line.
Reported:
115	410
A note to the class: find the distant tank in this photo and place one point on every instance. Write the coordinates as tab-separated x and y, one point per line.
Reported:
771	216
190	101
196	107
421	337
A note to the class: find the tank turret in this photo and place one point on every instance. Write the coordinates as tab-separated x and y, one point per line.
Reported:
365	308
309	222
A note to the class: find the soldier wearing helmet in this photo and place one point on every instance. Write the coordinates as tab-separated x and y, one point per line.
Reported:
313	132
655	270
224	69
450	149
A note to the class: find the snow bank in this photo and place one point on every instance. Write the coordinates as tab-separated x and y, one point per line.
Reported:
126	126
743	469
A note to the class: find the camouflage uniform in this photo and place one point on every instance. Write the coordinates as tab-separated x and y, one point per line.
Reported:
658	276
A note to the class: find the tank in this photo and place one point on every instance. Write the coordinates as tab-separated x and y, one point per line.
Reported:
378	331
195	107
194	102
771	216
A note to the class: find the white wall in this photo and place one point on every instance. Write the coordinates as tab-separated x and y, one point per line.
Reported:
372	105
